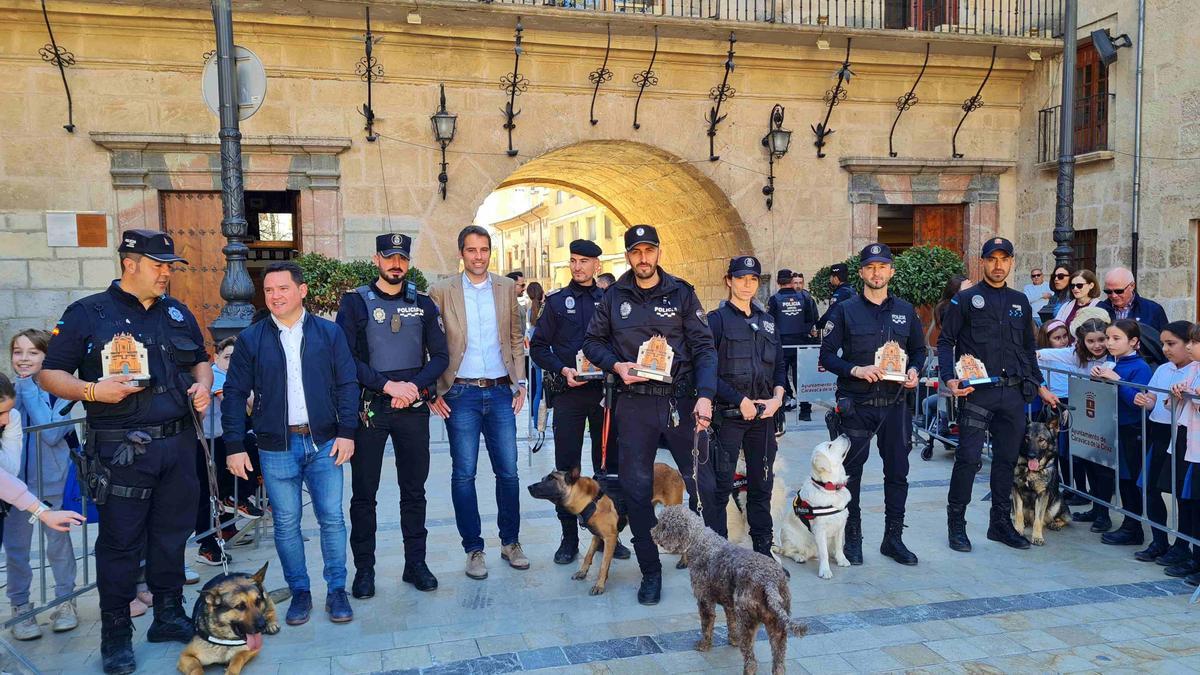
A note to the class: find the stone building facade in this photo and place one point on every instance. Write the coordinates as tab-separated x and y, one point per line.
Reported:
144	150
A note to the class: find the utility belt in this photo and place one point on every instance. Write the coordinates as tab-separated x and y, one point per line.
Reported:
555	384
677	389
373	403
97	476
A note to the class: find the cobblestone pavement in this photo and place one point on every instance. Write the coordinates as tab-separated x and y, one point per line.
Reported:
1073	605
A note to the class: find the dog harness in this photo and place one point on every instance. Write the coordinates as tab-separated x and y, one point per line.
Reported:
807	512
590	510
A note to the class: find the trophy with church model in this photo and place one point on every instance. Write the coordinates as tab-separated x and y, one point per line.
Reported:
892	361
971	372
585	369
654	360
124	355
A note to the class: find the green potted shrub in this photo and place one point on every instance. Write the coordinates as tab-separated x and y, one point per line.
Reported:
328	279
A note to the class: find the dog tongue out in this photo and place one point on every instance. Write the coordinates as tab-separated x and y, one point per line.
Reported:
1034	464
254	641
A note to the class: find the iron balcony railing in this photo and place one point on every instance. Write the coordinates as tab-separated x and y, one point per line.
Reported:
1007	18
1092	120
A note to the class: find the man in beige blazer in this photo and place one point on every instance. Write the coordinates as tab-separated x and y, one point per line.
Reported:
482	392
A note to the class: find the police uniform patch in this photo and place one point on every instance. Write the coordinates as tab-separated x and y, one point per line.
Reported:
379	315
626	309
174	313
977	302
396	240
569	302
749	262
440	324
899	319
640	231
1016	312
769	326
702	316
875	249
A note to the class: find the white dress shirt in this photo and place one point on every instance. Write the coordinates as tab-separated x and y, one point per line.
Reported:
292	340
482	357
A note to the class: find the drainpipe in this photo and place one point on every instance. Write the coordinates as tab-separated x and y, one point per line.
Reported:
1137	137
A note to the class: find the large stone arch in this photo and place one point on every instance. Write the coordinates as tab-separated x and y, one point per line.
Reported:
639	183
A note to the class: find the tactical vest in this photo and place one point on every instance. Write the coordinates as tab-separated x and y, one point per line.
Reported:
790	320
395	332
864	334
169	348
746	355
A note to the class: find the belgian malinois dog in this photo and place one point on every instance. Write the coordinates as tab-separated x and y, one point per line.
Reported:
578	494
230	616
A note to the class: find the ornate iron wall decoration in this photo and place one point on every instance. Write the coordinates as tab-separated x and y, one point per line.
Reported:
369	69
907	101
832	98
644	79
599	77
208	55
514	83
971	105
59	56
720	94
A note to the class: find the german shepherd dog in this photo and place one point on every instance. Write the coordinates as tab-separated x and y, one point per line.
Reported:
577	493
1037	492
230	616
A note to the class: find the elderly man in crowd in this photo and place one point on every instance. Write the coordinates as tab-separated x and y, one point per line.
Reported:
1123	302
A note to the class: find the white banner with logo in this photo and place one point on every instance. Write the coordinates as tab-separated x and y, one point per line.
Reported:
1093	421
813	383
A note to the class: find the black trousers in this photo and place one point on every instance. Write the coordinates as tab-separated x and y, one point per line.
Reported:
574	409
894	439
1007	428
1130	464
756	438
643	424
157	528
1157	442
790	355
409	431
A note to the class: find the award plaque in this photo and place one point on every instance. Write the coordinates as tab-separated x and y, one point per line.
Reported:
892	360
971	372
654	360
586	370
124	355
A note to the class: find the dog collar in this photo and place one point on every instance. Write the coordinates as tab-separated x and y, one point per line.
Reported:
223	642
832	487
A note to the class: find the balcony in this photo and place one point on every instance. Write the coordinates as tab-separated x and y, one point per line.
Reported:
998	18
1092	121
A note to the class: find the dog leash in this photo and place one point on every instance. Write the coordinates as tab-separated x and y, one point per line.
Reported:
214	499
696	458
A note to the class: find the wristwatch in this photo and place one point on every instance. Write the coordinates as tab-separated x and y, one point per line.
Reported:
522	383
37	513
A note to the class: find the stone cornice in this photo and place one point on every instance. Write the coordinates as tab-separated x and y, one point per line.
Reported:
275	144
908	165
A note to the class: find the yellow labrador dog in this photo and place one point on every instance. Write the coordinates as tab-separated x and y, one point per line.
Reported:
812	524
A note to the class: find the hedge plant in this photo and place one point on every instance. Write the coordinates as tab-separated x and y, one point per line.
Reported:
328	279
921	274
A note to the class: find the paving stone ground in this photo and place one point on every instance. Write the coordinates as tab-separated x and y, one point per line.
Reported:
1073	605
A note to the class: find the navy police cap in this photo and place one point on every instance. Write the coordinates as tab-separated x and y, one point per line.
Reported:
873	253
640	234
150	243
996	244
743	265
388	245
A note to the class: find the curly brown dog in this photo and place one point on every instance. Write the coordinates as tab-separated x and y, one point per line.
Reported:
230	616
750	586
577	494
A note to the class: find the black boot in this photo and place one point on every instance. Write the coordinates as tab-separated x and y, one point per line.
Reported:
569	547
1000	528
116	642
417	573
650	592
852	548
893	544
171	623
364	583
763	545
956	526
619	551
1130	533
805	411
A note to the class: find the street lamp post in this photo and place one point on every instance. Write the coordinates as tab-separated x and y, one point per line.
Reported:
236	288
444	124
1064	227
776	142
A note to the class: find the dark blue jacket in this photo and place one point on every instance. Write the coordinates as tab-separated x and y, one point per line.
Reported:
843	292
258	365
1141	310
1130	368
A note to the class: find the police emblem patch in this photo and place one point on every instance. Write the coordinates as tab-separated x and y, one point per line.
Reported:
626	309
440	324
769	326
899	319
379	315
569	302
1016	312
875	249
998	241
174	313
640	231
702	316
977	302
748	262
396	240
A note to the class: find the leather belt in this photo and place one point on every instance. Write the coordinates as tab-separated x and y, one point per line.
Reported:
300	429
154	431
483	382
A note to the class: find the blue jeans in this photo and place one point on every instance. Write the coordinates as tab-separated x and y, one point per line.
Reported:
486	410
284	472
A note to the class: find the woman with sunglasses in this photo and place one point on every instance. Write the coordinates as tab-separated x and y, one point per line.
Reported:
1060	292
1085	291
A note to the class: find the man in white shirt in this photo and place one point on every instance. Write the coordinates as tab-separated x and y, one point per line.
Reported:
1037	290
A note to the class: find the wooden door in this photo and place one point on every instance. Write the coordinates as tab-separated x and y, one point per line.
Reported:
939	225
193	219
929	14
1091	101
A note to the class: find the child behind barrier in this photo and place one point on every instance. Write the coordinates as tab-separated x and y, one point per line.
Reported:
1127	366
1187	471
1164	426
1088	352
1055	334
44	461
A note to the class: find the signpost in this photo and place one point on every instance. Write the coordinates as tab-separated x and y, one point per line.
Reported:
1093	434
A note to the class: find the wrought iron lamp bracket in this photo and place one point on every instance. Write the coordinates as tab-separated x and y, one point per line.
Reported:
369	69
644	79
908	100
599	76
514	84
720	93
971	105
62	59
832	98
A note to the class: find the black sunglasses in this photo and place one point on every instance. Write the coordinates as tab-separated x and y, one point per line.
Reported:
1116	291
1035	274
1062	276
1078	285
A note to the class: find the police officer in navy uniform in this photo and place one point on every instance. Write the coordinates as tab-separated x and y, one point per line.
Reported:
839	275
869	405
751	379
643	303
794	314
556	342
995	324
141	435
399	346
